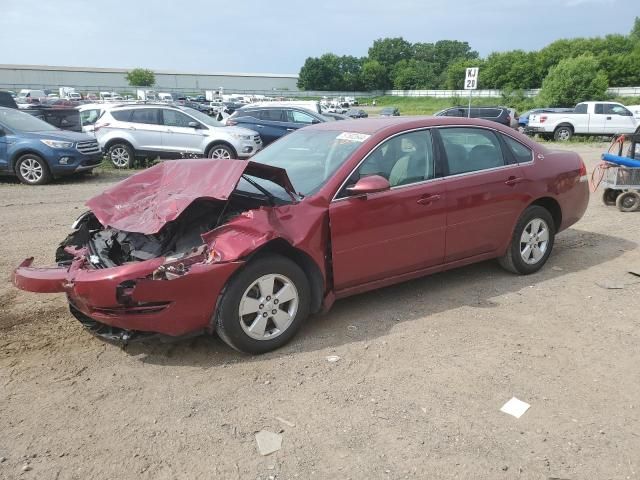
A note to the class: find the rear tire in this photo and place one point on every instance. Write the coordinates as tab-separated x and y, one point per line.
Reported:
31	169
121	155
263	305
531	243
628	201
563	133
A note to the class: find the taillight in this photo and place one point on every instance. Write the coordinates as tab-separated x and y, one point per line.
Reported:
583	171
231	123
508	119
543	118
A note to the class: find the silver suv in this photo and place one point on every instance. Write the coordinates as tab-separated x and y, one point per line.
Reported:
129	131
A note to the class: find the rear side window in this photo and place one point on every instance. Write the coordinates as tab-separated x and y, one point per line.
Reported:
599	108
582	108
121	115
485	112
456	112
146	115
521	153
471	149
272	115
89	117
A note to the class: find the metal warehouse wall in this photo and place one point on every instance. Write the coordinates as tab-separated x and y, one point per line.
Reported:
41	76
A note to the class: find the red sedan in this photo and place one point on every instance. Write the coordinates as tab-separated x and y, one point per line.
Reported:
250	249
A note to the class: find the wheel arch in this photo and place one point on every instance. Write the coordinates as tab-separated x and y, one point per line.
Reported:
565	124
311	269
220	142
26	151
553	207
113	141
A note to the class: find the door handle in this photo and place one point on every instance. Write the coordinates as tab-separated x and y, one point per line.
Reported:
290	129
260	126
511	181
608	118
428	199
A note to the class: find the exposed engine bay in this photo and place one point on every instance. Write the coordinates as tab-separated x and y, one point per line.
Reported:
110	247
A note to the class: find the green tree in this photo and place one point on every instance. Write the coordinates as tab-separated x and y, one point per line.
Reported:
511	70
635	31
572	81
414	75
141	77
389	51
374	76
330	72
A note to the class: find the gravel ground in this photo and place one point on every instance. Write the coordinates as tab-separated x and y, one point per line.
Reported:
424	368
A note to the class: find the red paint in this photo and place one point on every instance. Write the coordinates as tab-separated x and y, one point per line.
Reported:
376	239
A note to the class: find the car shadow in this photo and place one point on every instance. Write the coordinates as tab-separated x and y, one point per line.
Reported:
365	317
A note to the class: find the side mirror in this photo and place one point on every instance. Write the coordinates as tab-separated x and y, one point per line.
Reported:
194	124
370	184
314	121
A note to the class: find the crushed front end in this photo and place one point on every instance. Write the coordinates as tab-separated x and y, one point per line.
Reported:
121	284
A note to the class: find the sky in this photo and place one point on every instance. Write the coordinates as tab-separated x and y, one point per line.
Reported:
276	36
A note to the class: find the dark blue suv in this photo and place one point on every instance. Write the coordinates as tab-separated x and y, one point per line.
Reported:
274	122
36	151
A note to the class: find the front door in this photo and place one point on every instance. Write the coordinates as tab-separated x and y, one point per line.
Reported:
618	120
393	232
484	189
178	136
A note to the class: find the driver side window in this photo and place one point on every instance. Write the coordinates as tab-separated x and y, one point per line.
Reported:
403	160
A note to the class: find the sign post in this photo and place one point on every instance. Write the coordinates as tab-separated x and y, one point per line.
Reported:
471	83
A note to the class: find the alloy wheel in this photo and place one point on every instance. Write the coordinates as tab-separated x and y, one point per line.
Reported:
220	153
31	170
120	157
534	241
268	307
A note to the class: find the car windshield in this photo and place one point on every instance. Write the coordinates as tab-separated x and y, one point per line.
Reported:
310	157
23	122
206	119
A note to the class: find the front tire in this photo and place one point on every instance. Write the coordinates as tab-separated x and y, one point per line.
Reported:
220	151
121	155
31	169
531	243
263	305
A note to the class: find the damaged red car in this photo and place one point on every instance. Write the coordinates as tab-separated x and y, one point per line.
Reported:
249	250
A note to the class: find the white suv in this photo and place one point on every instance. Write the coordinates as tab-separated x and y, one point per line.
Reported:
129	131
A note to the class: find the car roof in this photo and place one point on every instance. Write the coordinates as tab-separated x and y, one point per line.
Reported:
372	126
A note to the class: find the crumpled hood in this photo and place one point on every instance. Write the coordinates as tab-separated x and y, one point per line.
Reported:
146	201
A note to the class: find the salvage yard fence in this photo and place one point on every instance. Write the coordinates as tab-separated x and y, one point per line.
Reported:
124	90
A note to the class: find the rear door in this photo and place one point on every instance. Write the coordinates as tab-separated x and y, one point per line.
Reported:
147	128
273	124
618	119
178	136
485	190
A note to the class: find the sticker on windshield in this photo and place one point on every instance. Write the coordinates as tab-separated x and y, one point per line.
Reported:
353	137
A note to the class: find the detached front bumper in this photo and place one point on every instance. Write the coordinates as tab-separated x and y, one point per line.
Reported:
128	298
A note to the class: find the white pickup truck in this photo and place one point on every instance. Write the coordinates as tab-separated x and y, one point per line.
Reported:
588	118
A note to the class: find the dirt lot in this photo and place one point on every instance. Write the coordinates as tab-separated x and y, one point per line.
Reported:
425	367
